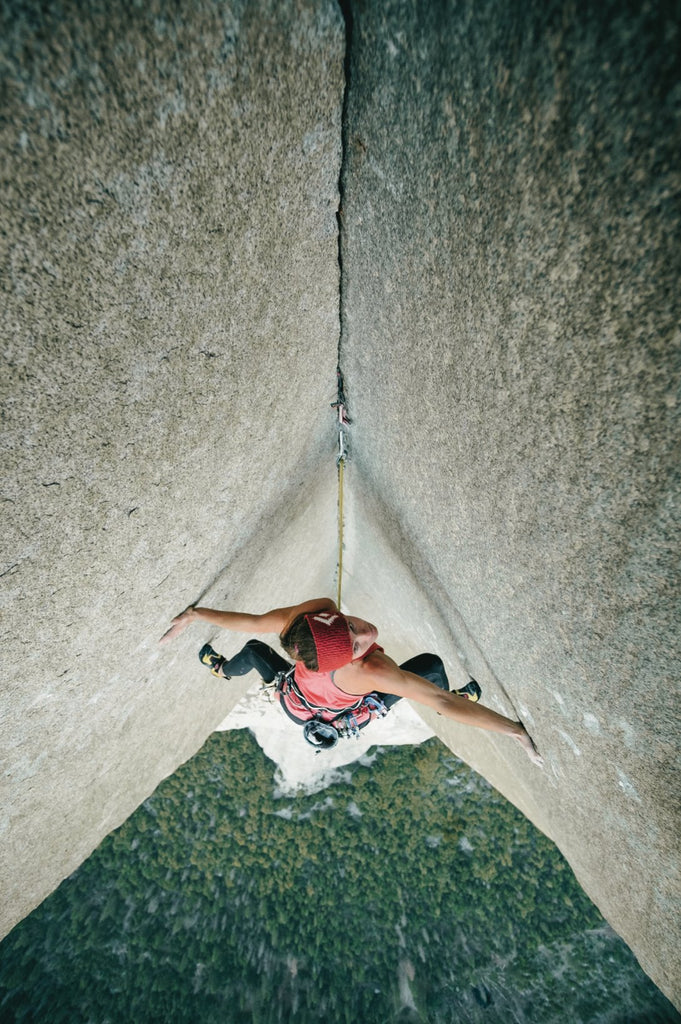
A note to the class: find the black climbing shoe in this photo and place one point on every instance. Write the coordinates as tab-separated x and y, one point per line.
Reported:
215	661
471	691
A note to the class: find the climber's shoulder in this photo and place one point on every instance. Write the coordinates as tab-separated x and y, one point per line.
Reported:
279	619
376	671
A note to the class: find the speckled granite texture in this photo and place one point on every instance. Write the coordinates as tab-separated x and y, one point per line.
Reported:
170	327
509	303
511	311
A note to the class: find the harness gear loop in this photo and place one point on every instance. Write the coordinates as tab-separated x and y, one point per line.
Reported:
376	705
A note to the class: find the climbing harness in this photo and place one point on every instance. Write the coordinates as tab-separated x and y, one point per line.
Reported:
340	405
323	727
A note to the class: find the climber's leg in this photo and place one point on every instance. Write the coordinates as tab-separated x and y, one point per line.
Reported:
431	667
254	655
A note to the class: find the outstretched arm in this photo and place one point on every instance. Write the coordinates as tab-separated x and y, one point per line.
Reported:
273	621
380	672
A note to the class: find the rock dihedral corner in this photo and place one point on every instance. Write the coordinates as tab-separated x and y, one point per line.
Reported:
509	305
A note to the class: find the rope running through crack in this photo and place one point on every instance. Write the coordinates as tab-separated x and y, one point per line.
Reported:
340	405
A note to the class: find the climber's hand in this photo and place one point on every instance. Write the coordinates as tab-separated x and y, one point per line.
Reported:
527	743
179	623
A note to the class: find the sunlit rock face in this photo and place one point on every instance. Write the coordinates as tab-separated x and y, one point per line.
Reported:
170	331
511	344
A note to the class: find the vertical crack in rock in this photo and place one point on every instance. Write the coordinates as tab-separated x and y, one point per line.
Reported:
346	11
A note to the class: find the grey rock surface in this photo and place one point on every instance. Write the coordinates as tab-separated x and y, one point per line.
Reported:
511	346
169	331
511	224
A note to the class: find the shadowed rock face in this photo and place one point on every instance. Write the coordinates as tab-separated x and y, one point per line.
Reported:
510	342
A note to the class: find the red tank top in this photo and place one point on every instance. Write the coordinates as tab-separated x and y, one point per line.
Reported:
322	694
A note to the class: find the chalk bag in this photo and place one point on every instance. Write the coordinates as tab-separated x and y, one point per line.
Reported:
321	735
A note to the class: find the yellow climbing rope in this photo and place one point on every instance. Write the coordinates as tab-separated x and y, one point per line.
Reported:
343	421
341	468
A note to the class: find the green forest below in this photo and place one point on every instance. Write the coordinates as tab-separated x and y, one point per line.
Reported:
410	891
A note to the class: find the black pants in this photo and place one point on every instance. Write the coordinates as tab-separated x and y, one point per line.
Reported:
256	655
259	656
428	666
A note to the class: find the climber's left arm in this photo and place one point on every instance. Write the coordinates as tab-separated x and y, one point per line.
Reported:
379	672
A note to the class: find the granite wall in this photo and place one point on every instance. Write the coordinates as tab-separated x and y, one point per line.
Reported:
510	338
511	310
169	338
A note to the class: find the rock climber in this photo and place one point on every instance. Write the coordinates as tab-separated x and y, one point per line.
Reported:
340	673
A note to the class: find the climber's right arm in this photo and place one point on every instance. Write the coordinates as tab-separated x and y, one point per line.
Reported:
273	621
